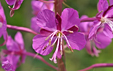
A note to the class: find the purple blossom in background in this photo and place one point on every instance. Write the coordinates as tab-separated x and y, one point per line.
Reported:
98	41
16	5
55	29
104	19
38	6
10	61
3	25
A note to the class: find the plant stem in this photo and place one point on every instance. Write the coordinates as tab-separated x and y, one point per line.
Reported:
21	29
97	66
58	10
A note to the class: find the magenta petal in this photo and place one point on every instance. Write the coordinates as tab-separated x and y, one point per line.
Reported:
19	39
12	45
77	41
111	2
46	20
10	2
36	6
102	5
34	25
39	43
17	4
102	41
70	18
107	31
2	15
94	29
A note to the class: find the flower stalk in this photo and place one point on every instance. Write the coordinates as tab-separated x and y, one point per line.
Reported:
58	10
21	29
97	66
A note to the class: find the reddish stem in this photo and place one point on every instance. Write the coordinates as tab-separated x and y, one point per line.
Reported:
21	29
88	19
97	66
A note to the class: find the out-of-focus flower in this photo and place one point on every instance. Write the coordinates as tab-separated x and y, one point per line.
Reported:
38	6
97	40
16	5
15	50
55	29
104	20
3	23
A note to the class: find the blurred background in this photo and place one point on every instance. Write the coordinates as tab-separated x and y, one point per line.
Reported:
74	61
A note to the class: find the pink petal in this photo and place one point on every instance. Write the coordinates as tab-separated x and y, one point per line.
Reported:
70	18
102	5
10	2
111	2
19	39
34	25
46	20
12	45
77	41
102	41
39	43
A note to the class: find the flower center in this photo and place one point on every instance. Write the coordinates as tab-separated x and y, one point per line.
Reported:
1	24
107	21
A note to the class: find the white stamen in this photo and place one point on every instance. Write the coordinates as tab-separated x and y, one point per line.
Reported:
61	50
109	22
1	24
51	35
54	42
55	53
68	42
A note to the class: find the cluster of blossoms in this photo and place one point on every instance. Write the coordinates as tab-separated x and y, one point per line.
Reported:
52	30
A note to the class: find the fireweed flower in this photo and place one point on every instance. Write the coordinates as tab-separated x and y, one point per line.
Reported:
16	5
97	41
104	19
9	63
3	24
55	29
38	6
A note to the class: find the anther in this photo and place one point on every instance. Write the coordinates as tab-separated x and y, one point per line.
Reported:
44	48
70	31
71	48
50	42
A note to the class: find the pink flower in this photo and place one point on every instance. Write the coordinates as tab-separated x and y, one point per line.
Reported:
97	40
55	29
3	25
10	62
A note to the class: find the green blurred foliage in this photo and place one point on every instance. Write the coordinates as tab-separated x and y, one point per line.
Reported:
74	61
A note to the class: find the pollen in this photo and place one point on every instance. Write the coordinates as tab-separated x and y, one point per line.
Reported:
103	20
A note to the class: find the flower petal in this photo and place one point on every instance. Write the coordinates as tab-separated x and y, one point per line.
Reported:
12	45
34	25
39	44
77	41
46	20
107	31
19	39
102	5
70	18
111	2
10	2
17	4
102	41
94	29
